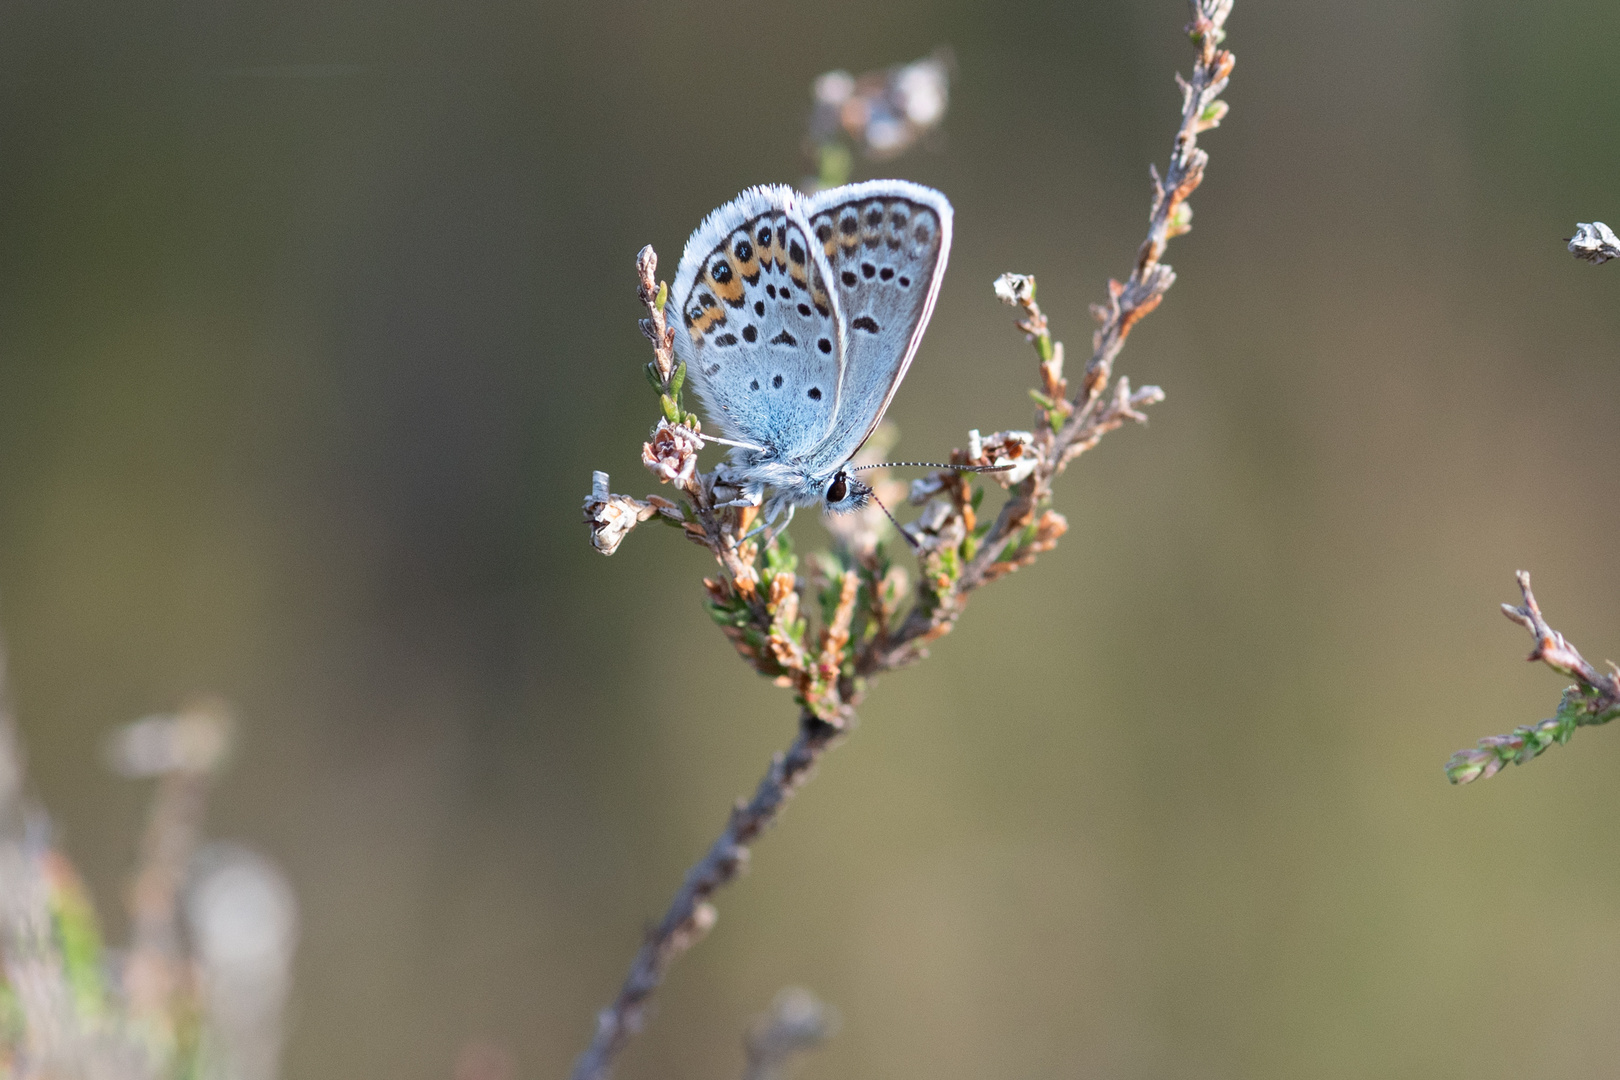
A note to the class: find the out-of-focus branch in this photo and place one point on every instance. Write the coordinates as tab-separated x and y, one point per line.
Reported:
690	914
1595	242
31	956
881	114
797	1023
1594	699
183	752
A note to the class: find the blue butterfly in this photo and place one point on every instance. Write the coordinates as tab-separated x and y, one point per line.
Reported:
796	317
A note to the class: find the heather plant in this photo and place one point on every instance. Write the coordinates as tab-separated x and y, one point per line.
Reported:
823	626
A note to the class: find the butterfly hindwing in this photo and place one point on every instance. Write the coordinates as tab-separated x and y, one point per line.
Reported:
886	244
757	326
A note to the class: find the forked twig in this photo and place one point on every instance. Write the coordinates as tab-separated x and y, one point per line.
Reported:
1594	699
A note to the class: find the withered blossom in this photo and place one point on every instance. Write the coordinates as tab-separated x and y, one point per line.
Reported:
611	517
1015	448
1595	242
938	526
672	453
1014	289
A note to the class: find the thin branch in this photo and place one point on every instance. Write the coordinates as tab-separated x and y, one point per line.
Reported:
1594	699
690	915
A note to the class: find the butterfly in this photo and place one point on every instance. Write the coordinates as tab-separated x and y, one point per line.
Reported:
796	317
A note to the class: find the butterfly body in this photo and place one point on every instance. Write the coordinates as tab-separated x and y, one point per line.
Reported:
796	317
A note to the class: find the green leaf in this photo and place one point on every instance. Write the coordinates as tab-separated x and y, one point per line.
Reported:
663	295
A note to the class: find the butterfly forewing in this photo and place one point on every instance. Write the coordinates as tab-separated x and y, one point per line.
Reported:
886	243
757	326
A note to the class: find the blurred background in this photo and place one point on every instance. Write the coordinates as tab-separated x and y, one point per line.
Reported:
316	317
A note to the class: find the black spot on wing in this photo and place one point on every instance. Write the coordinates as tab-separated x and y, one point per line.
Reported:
804	309
824	345
867	270
865	322
777	382
759	305
815	393
847	277
784	338
750	334
886	273
726	339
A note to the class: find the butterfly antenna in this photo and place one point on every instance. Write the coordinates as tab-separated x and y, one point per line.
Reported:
932	465
912	540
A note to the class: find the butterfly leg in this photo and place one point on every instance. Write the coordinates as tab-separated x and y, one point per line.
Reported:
747	494
766	524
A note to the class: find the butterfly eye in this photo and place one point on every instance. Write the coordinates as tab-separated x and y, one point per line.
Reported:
839	489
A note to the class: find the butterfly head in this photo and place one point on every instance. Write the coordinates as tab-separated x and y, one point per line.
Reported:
845	493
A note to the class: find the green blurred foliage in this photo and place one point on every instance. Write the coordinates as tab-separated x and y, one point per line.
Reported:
315	319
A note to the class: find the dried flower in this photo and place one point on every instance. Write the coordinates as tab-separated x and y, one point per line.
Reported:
672	453
927	487
939	526
1015	448
1015	290
611	517
1595	242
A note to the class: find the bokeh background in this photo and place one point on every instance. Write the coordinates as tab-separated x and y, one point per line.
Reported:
315	318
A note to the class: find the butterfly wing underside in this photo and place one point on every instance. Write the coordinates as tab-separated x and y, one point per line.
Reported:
757	326
886	243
